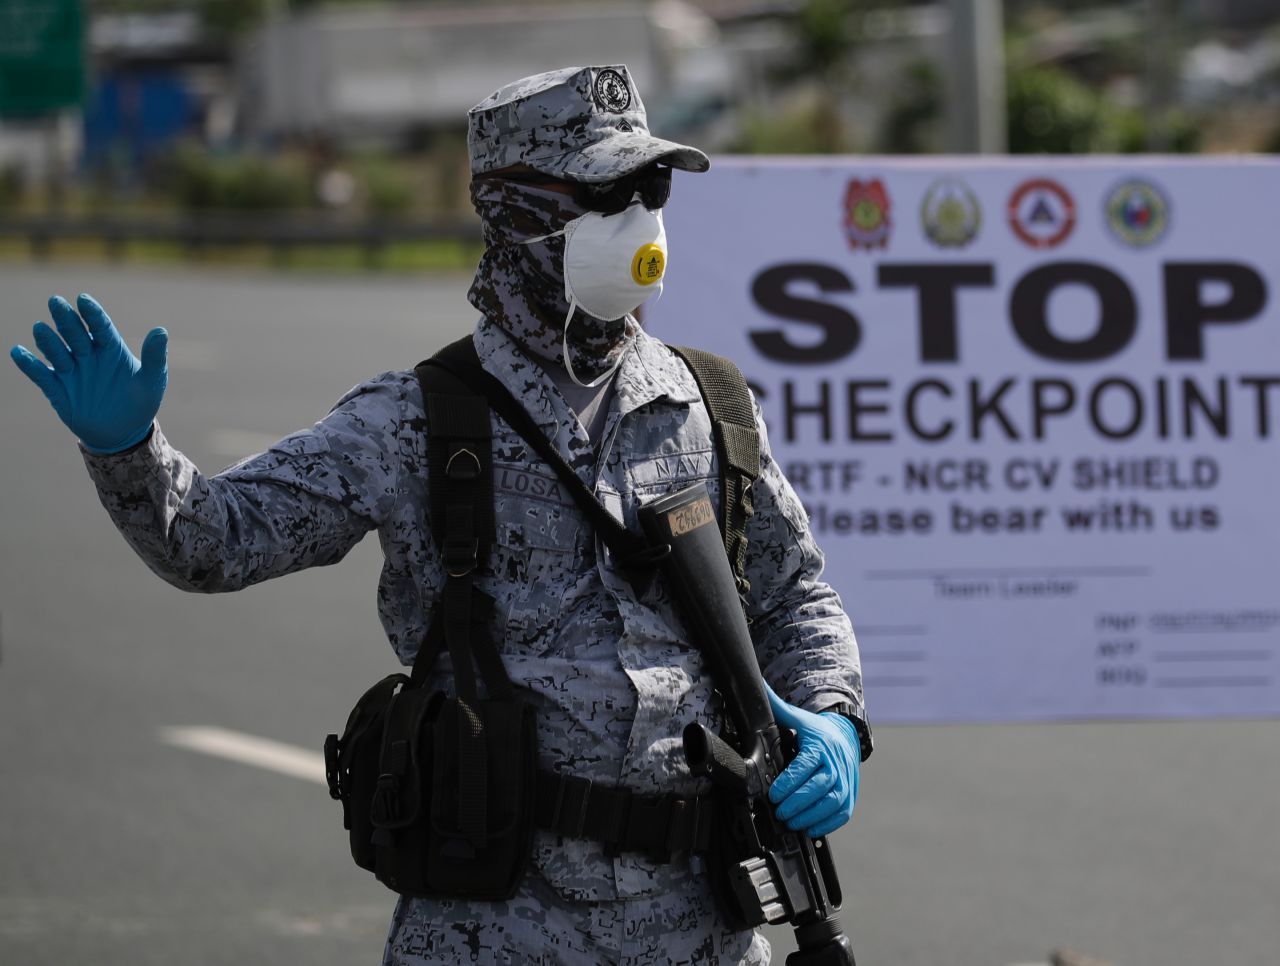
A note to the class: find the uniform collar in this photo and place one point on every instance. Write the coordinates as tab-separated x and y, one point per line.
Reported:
649	372
502	358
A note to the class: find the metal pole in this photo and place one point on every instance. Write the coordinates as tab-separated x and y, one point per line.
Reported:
1161	68
976	98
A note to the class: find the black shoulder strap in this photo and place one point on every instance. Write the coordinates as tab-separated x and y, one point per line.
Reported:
460	485
460	463
462	362
460	482
724	390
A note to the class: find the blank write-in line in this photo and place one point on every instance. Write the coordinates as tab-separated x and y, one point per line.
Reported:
1210	627
1195	656
1212	682
1007	572
248	750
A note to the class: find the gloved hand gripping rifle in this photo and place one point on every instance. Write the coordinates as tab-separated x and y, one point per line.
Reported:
766	872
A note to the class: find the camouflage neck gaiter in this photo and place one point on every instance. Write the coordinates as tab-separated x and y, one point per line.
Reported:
521	287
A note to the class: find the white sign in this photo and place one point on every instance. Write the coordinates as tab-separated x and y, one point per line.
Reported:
1032	408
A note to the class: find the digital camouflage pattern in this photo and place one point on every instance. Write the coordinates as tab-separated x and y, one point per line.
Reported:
534	928
521	286
581	123
611	672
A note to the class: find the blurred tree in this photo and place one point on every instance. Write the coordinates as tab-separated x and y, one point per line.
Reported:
1050	112
135	6
804	112
200	182
388	189
827	38
12	185
451	165
232	17
911	123
799	130
825	29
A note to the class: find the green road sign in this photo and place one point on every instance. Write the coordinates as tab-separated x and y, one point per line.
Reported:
42	54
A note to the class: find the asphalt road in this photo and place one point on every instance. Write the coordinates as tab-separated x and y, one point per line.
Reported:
1154	844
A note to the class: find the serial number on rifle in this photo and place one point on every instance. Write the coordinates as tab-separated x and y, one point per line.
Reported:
686	518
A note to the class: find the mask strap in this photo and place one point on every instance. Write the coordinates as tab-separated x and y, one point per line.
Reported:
530	241
568	365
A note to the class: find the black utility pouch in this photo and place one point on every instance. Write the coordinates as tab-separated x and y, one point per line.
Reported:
401	798
438	791
482	815
352	765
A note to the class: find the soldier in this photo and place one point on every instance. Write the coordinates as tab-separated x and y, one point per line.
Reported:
570	186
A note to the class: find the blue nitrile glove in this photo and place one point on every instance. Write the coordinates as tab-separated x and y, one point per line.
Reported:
818	790
97	387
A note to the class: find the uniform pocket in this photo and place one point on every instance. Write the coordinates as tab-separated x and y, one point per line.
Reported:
658	475
652	477
533	511
535	556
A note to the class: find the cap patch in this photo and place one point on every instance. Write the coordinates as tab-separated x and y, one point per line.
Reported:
611	91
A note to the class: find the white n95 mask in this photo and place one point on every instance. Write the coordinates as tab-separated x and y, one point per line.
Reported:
612	265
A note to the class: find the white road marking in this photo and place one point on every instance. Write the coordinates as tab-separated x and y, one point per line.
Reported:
248	750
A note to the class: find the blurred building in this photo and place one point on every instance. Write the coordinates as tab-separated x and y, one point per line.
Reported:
728	75
153	78
157	77
386	74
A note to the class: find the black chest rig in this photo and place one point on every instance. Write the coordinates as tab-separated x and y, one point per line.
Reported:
441	794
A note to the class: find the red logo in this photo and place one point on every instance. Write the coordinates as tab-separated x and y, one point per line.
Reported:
866	214
1042	213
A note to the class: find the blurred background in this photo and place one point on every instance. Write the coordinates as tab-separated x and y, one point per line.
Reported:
160	129
283	185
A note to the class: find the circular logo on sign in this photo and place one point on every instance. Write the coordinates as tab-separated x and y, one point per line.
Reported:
950	213
1137	212
866	214
1042	213
612	92
648	264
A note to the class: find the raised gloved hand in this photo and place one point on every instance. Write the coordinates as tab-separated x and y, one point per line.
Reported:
97	387
817	791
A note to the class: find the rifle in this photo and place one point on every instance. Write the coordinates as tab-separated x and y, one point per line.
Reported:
762	871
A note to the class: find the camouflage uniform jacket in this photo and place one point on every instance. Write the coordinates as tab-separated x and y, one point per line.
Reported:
613	676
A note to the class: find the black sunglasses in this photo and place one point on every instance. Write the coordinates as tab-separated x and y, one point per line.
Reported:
652	183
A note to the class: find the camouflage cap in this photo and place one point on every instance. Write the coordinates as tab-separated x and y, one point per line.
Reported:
579	123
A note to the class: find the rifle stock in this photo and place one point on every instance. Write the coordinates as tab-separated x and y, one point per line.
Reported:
771	873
